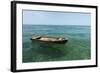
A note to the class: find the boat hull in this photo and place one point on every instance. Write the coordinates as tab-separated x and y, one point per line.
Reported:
50	40
57	42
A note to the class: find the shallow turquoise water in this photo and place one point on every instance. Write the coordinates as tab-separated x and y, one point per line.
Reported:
77	47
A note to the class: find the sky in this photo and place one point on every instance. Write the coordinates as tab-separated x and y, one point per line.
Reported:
55	18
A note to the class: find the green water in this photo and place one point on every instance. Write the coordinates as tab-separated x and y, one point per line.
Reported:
77	47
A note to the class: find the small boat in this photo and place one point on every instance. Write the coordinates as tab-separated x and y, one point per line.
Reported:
47	39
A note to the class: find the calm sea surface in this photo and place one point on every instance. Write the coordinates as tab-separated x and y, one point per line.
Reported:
77	47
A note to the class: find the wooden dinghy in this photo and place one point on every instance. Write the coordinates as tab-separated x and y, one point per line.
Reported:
58	40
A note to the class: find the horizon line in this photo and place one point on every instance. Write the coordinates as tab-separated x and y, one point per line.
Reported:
54	24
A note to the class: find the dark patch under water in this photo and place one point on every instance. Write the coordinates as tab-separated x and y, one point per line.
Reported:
77	47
